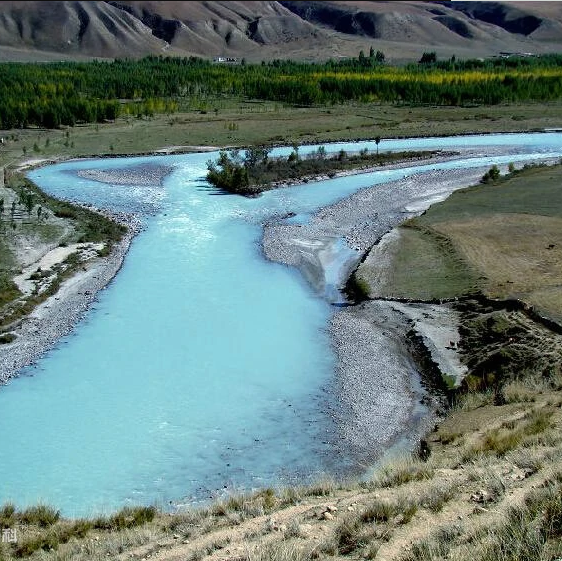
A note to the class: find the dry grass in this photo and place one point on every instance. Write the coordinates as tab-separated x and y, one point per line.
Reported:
518	254
473	400
518	391
510	435
364	530
437	495
527	531
398	471
278	552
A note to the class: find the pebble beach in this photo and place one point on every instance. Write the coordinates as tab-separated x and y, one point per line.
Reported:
380	401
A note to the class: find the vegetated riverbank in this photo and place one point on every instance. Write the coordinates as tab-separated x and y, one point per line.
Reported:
487	481
256	172
56	256
492	252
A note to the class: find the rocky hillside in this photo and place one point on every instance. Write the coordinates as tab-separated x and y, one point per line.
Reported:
257	30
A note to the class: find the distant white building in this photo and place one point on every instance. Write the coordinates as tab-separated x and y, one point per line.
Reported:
225	60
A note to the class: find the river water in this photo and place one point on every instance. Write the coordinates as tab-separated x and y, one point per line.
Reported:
203	367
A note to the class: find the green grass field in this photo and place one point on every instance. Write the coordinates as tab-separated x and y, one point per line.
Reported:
500	239
229	122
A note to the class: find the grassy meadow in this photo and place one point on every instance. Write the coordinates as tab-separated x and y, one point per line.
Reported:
501	239
229	122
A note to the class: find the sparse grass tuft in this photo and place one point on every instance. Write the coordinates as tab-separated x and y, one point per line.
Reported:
293	530
510	435
322	488
8	515
40	515
401	471
437	495
367	528
279	551
515	538
209	549
348	534
400	511
473	400
518	392
435	547
127	517
253	504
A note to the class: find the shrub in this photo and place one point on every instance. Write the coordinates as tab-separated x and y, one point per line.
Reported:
491	175
40	515
6	338
7	515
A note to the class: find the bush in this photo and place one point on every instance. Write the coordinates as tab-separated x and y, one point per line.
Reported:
491	175
40	515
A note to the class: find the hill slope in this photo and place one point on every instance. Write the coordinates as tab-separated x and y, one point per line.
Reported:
257	30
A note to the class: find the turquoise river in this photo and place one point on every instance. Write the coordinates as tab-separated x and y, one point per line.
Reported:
203	367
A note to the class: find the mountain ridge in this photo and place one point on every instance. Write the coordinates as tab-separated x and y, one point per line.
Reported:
264	30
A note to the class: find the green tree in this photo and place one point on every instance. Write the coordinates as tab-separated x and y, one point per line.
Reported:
229	173
294	155
428	58
255	155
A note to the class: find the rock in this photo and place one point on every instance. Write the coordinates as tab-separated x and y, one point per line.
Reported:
399	519
519	476
480	497
327	516
274	526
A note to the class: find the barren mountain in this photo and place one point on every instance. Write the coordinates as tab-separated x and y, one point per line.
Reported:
257	30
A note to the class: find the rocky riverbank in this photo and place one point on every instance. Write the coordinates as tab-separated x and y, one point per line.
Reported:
378	391
56	317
